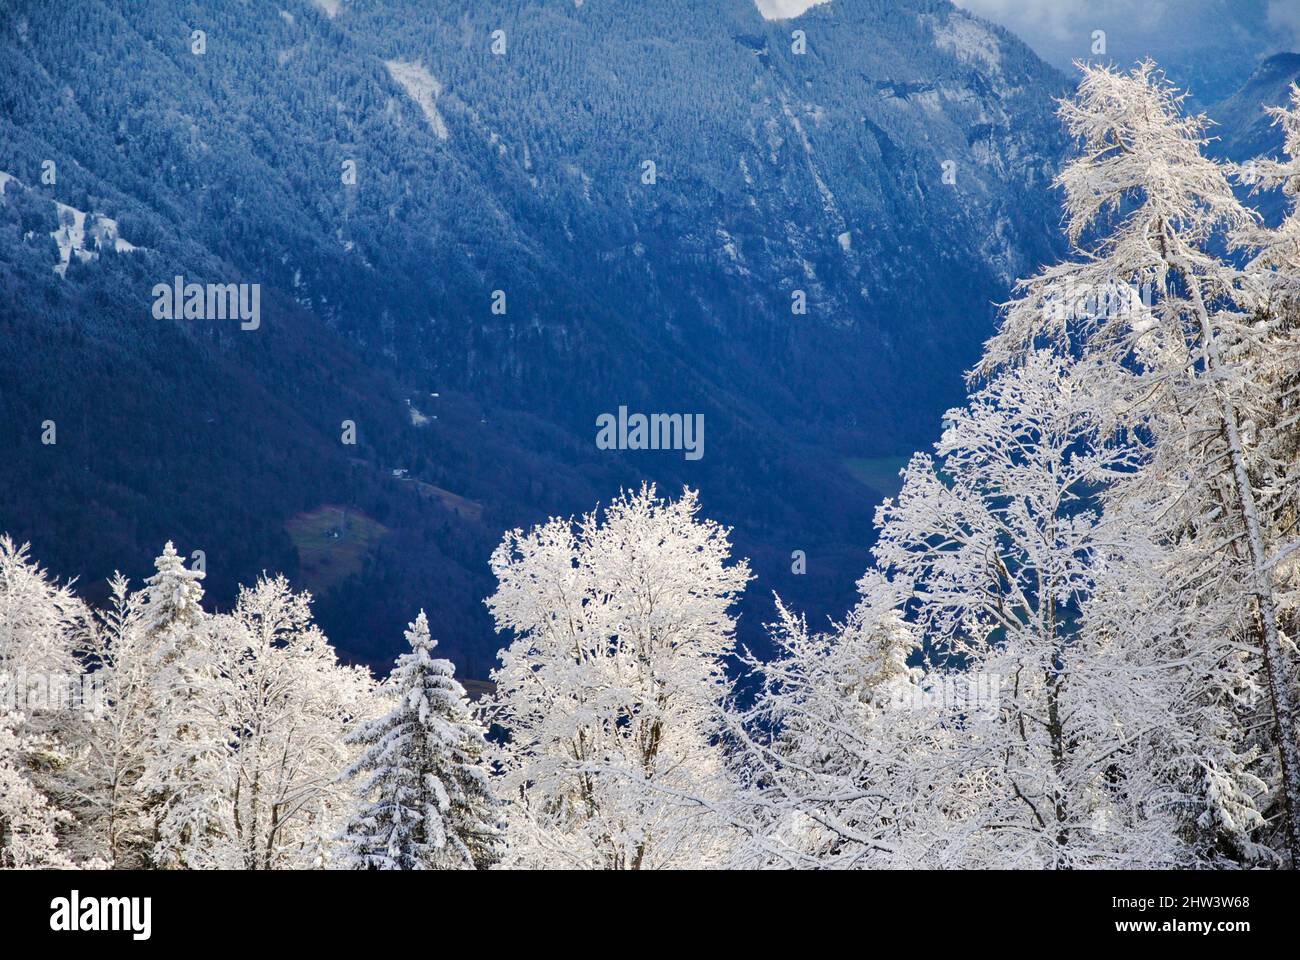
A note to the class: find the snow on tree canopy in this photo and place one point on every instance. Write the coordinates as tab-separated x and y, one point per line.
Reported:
424	798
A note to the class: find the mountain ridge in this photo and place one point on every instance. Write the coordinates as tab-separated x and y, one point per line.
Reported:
776	172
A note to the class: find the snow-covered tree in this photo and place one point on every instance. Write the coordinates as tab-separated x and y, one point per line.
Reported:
29	823
42	626
188	733
423	796
1276	262
112	747
1268	361
1275	269
1000	544
1145	208
611	693
1209	764
289	705
843	746
40	621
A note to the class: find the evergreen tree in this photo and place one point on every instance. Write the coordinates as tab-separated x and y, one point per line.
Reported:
424	801
188	739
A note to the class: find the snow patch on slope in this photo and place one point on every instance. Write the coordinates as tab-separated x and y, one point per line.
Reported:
83	235
79	234
329	7
785	9
970	41
829	204
422	87
71	238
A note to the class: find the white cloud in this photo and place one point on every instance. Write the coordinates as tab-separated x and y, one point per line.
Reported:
1051	17
784	9
1066	21
1284	16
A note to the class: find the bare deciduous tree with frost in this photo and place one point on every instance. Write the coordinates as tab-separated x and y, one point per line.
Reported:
1144	208
611	691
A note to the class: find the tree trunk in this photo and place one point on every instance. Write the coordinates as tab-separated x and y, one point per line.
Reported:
1260	583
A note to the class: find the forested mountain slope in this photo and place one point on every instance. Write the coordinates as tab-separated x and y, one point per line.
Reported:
381	172
1244	127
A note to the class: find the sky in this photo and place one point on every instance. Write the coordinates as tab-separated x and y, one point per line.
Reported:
1061	29
1056	27
1210	46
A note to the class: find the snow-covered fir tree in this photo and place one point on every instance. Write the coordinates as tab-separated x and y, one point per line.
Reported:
188	732
424	801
